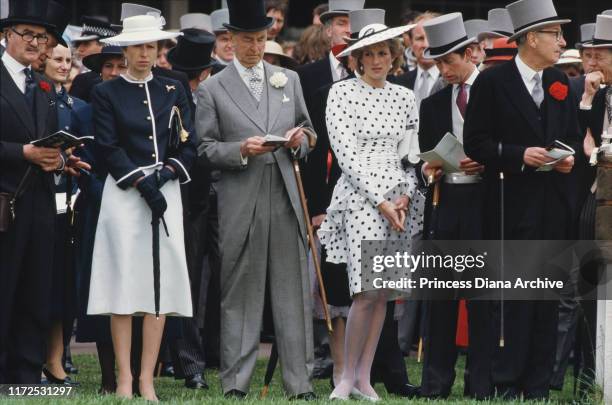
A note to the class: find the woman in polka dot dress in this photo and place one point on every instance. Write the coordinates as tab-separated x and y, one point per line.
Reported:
367	117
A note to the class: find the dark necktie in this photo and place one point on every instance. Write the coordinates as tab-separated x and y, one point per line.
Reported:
609	104
30	86
462	100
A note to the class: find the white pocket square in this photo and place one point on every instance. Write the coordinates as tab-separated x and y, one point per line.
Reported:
285	99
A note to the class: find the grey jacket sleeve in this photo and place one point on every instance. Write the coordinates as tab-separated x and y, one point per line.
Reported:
213	151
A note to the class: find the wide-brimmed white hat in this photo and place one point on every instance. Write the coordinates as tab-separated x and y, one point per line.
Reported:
141	29
602	37
373	34
445	34
569	57
531	15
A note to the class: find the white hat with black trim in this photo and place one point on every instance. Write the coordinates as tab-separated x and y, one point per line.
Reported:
602	37
530	15
140	29
373	34
361	18
445	34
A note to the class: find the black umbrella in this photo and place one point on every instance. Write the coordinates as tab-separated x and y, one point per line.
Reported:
430	235
156	267
270	370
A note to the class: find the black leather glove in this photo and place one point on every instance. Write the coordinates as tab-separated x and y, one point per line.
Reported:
150	192
165	175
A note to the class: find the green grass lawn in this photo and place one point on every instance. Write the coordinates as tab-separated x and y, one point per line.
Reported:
172	391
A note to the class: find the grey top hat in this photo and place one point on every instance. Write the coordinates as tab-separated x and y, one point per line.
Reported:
602	37
366	16
530	15
341	8
218	18
4	8
475	27
445	34
499	25
200	21
131	9
586	34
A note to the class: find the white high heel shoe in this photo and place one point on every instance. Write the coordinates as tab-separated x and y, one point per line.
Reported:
337	397
360	395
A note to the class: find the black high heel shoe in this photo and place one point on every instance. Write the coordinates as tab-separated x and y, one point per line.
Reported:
54	380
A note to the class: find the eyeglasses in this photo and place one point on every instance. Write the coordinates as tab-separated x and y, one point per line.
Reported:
558	34
29	37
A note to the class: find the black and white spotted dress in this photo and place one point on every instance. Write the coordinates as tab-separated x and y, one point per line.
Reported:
365	126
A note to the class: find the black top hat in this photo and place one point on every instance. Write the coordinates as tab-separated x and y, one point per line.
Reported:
95	61
248	16
193	51
32	12
59	17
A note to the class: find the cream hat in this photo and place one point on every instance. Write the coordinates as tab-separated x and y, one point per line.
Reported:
141	29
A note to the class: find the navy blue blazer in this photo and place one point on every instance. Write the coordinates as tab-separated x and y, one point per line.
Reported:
131	127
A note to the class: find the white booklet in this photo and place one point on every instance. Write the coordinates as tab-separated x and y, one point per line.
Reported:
278	141
557	151
448	152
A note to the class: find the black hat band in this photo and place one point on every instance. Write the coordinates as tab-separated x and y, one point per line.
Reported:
554	18
442	49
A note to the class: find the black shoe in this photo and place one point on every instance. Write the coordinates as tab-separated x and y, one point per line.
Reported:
235	394
407	391
69	368
167	370
51	379
196	382
304	396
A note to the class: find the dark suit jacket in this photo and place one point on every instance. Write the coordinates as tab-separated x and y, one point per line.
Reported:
83	84
407	79
313	77
18	127
180	77
316	80
502	121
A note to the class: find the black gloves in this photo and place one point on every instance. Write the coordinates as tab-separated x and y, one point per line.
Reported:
150	192
165	175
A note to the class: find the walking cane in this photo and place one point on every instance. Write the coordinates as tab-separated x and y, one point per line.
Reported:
313	248
502	326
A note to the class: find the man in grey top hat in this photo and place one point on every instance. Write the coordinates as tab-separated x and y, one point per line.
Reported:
516	110
224	50
459	213
262	233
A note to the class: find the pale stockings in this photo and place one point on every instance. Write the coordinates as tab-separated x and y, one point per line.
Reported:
363	327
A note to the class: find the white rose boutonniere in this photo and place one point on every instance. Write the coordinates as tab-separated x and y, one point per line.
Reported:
278	80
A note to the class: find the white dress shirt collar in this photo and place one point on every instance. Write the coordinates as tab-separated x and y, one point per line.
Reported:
527	73
433	71
470	80
337	67
15	69
242	71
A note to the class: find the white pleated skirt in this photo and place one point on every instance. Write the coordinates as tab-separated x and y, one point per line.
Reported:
122	267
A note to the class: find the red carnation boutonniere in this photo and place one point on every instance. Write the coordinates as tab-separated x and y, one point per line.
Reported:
44	86
558	91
